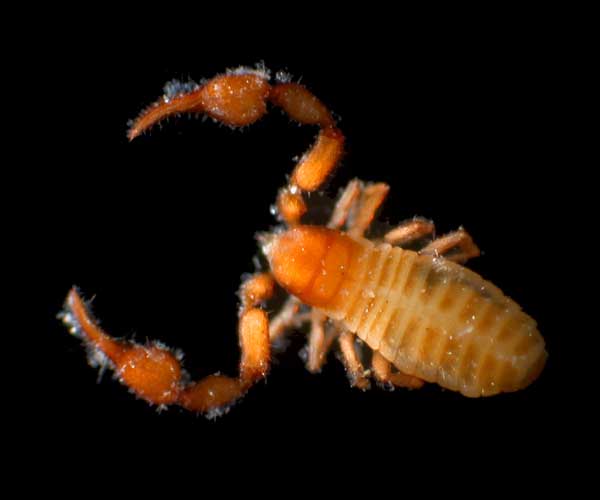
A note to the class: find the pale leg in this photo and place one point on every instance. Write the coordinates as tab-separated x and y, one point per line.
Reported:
371	198
459	240
345	204
354	368
382	370
409	231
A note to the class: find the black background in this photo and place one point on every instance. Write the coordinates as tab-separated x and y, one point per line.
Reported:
457	118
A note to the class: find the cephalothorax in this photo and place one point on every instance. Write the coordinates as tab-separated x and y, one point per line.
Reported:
425	316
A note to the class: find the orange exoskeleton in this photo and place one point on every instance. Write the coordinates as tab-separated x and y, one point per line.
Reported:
424	316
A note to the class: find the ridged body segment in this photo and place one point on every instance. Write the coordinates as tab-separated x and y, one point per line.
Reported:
430	317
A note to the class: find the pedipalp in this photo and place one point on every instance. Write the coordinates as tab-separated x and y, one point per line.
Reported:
154	373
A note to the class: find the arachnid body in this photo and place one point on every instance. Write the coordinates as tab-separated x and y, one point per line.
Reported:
424	316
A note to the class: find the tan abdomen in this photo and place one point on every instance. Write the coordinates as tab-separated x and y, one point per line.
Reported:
436	320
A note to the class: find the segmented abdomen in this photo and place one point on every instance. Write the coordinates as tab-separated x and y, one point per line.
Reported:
438	321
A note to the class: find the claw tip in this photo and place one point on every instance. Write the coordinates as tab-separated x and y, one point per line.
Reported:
132	133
